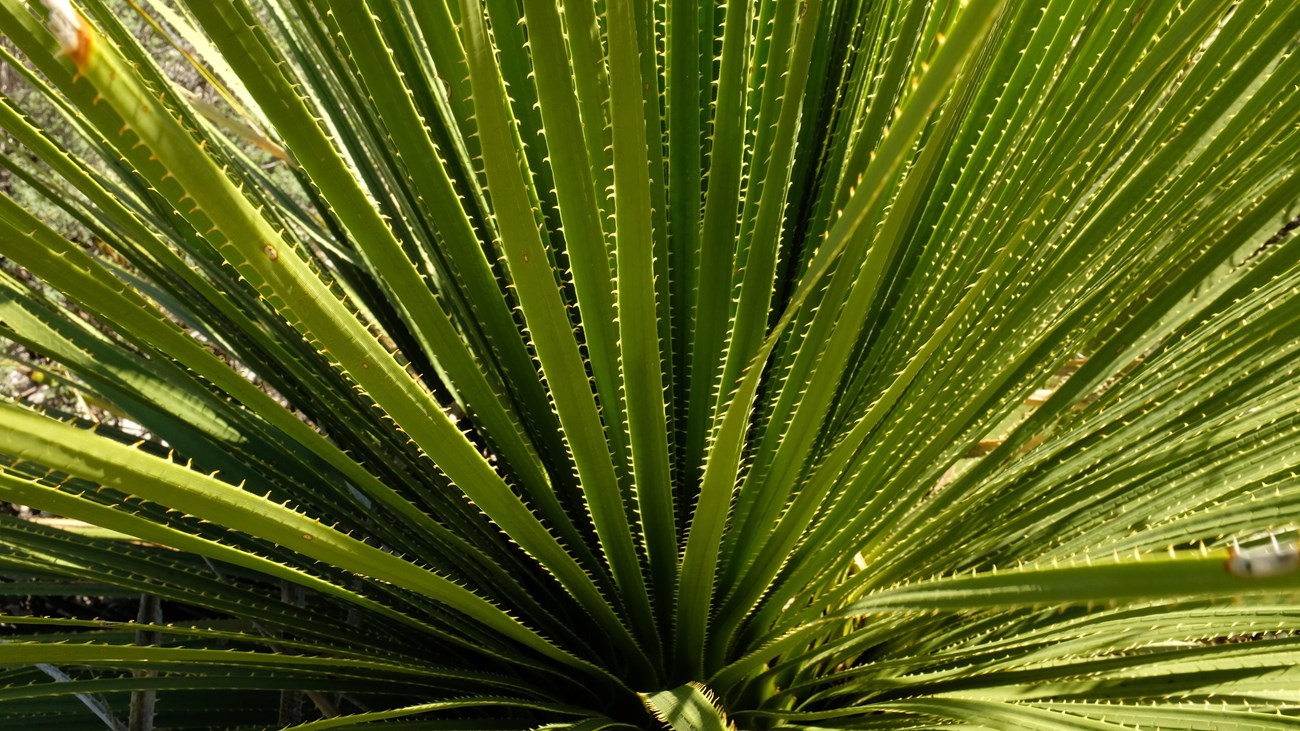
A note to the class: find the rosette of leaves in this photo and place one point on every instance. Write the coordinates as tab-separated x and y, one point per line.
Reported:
504	364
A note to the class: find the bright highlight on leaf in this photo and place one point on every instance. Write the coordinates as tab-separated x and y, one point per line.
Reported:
687	708
649	364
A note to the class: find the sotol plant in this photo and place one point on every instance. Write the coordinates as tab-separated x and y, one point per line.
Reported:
523	364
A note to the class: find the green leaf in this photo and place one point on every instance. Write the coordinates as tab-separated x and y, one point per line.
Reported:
529	365
690	707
